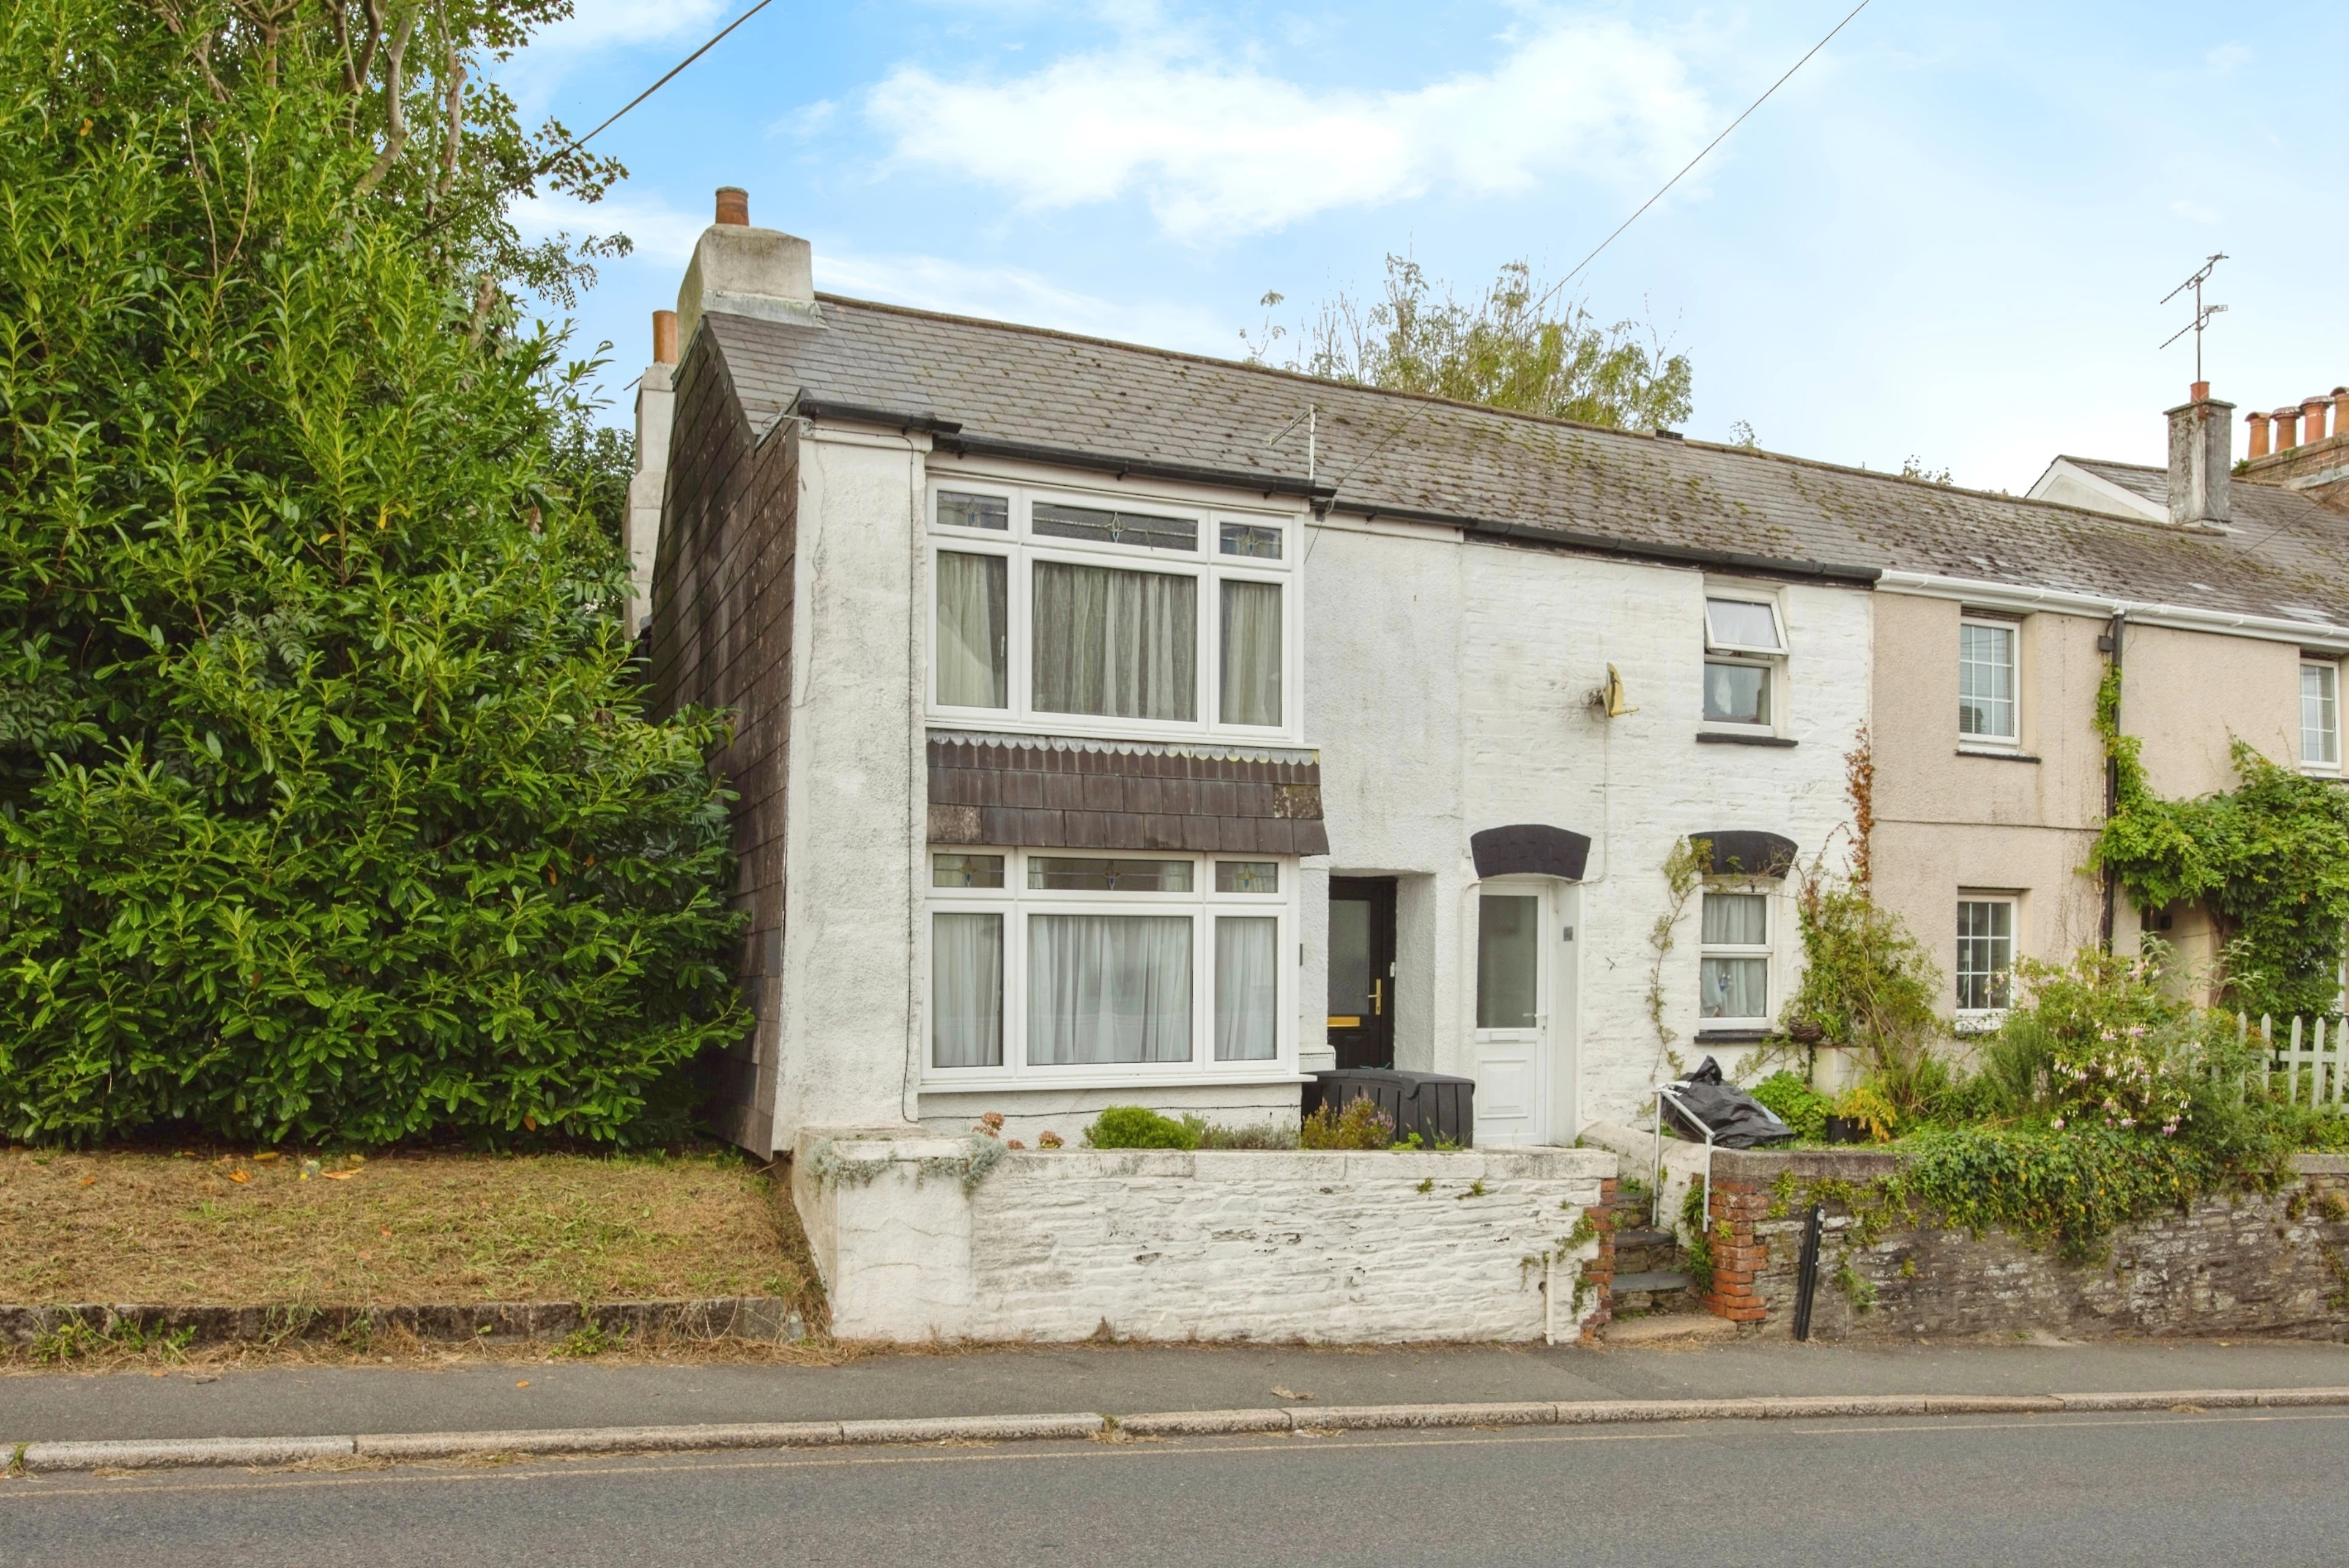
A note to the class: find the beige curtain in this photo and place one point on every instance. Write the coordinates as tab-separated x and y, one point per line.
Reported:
1251	653
972	604
1120	644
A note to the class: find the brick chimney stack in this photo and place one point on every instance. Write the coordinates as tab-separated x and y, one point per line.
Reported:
2202	453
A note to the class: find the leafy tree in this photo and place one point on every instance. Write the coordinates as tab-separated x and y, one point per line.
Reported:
327	811
1507	349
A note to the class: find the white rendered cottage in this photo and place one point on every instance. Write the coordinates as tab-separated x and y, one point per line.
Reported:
1119	726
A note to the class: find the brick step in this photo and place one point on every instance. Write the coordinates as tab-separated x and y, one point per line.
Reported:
1652	1281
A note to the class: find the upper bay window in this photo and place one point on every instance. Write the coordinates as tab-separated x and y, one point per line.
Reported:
1986	681
1744	660
1059	610
1050	967
2320	714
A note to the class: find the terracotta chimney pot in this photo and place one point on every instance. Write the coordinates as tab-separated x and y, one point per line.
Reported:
2341	410
2198	393
2259	423
2287	436
734	206
2312	418
664	337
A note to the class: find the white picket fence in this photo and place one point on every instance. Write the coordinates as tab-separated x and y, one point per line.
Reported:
2317	1049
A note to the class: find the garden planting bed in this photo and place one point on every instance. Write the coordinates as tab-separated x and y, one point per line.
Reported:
2249	1262
107	1252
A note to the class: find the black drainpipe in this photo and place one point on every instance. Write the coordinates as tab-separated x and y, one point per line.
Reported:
2111	642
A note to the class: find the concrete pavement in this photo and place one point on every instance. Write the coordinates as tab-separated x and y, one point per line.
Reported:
511	1395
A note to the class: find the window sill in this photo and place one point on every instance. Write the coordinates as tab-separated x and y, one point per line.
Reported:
1737	1034
1997	754
997	1082
1734	738
1979	1022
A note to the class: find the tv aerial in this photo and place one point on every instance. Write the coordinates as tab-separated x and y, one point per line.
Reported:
2202	312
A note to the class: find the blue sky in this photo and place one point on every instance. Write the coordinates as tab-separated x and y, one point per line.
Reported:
1946	237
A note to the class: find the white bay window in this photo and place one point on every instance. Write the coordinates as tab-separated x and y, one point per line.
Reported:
1049	611
1050	966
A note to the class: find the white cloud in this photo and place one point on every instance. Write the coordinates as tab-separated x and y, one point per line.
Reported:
660	231
2227	56
597	24
1220	149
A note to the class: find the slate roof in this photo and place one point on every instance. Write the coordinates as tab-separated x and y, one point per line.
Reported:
1399	453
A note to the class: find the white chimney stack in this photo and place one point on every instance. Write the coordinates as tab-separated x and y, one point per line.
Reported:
2202	457
743	271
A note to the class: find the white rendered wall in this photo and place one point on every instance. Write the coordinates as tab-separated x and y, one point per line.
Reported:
858	787
1323	1246
1447	685
656	410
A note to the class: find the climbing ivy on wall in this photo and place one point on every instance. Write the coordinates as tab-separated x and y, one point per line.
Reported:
2269	859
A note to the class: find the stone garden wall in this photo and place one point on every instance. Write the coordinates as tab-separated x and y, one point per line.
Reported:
2272	1264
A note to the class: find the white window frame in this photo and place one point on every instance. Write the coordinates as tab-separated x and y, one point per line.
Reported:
1767	950
1015	902
2329	671
2013	630
1770	661
1970	1019
1021	547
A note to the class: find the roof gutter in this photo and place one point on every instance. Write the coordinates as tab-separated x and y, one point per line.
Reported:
2140	612
1610	544
947	435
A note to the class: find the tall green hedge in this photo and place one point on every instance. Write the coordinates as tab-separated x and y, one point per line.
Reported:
328	810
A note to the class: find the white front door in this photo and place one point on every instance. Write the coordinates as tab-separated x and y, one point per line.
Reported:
1524	1018
1512	1014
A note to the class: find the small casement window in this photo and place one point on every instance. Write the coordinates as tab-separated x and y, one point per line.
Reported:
1733	961
1986	707
1743	645
1985	966
2320	714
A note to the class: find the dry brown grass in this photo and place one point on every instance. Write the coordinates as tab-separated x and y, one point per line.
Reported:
396	1230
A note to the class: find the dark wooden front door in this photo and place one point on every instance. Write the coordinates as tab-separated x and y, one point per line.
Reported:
1362	970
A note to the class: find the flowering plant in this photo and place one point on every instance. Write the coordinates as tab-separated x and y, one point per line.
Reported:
2123	1078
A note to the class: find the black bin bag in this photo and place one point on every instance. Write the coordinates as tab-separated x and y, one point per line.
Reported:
1738	1120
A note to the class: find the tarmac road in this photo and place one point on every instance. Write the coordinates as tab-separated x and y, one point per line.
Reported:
2260	1487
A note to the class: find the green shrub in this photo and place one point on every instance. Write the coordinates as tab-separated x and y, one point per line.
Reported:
1795	1103
328	810
1362	1125
1253	1134
1137	1126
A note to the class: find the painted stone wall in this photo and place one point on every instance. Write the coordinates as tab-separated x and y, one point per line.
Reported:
919	1237
2270	1263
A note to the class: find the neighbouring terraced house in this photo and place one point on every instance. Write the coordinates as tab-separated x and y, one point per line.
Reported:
1115	726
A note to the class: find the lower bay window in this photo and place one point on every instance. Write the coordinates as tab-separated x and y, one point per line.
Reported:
1050	966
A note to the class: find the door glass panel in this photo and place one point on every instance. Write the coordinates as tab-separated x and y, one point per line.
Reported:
1508	937
1350	957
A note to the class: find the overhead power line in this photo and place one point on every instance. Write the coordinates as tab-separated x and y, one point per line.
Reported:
578	142
1709	146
